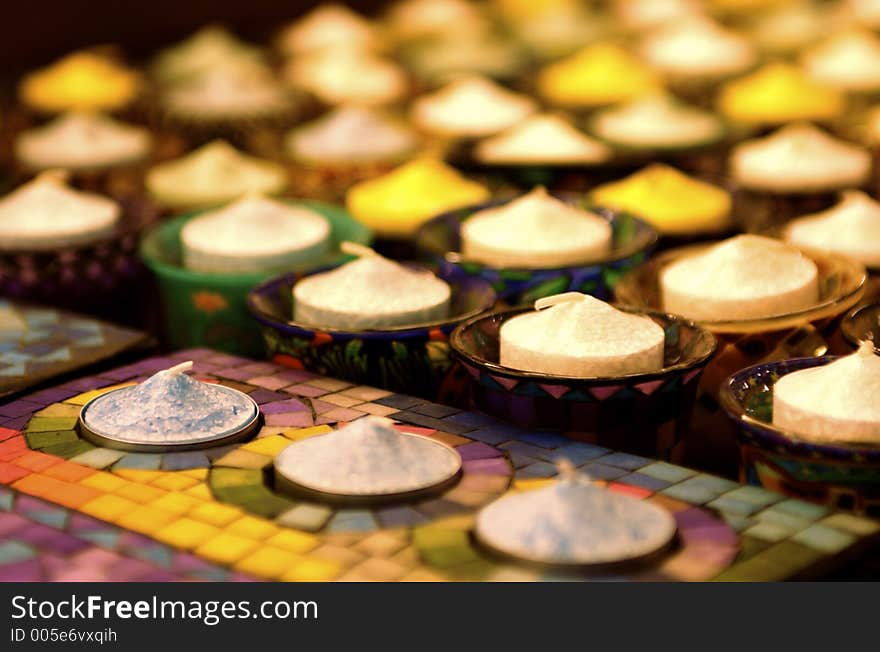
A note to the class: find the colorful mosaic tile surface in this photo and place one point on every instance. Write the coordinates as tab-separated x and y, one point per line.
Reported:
75	511
37	344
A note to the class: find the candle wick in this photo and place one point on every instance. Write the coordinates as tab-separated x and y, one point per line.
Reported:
180	368
566	469
53	176
356	249
866	348
546	302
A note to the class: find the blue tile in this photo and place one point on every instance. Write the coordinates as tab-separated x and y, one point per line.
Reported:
544	439
734	506
537	470
142	461
577	453
626	461
14	551
666	471
184	460
352	520
599	471
645	481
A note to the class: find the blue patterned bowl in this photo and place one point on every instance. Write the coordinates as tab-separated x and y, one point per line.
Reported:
846	477
643	414
440	240
412	359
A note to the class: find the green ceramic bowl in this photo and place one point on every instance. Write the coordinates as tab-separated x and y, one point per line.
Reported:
204	309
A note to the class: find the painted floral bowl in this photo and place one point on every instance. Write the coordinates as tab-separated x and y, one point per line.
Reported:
862	323
842	476
440	240
206	309
643	414
412	359
711	441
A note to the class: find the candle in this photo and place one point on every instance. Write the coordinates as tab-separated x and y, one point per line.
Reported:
599	74
371	292
397	203
535	230
574	334
213	174
799	158
81	81
368	457
542	140
745	277
46	214
697	48
846	61
211	48
571	521
832	403
673	202
776	94
788	28
421	19
169	408
350	135
82	141
254	234
472	106
657	121
851	228
328	26
637	15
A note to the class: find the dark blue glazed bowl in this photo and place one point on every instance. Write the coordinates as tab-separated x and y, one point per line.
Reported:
439	239
643	414
411	359
842	476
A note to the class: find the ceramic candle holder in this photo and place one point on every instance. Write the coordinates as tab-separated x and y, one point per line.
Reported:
643	414
206	309
413	359
440	239
711	443
104	278
841	476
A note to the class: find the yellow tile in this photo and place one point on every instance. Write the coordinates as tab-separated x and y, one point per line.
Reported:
103	481
200	491
305	433
312	570
268	562
107	508
268	445
293	541
139	493
198	474
175	482
186	533
532	483
215	513
82	399
138	475
176	503
253	528
226	548
145	519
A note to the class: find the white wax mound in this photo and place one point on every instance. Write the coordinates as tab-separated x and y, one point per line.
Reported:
537	231
370	293
471	107
581	336
368	457
799	158
45	214
81	141
542	139
351	135
847	61
851	228
745	277
698	48
833	403
169	407
254	234
574	522
235	91
657	121
328	26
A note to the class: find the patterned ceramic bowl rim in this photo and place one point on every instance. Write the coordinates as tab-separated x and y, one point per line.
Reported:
273	285
697	359
847	327
842	297
780	437
645	235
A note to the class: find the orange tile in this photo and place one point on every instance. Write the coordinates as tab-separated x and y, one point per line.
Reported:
74	495
70	472
7	433
57	491
12	448
37	461
33	484
10	473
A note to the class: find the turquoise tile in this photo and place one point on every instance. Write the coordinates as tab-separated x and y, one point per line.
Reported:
754	496
54	518
802	508
771	532
737	522
98	458
625	461
142	461
352	520
666	471
824	539
108	539
792	522
14	551
739	507
6	498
